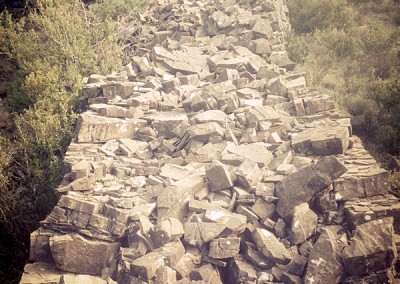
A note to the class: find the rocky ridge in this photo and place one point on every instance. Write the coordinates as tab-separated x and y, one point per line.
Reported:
208	160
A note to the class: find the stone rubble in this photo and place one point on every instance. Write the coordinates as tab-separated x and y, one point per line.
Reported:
208	160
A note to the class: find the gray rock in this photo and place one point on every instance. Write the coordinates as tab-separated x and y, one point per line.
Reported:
224	247
74	253
372	248
218	176
91	128
301	186
304	223
271	247
324	261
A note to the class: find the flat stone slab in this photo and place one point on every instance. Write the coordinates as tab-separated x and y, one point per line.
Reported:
322	141
91	128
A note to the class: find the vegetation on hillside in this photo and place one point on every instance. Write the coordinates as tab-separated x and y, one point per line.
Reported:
351	49
44	54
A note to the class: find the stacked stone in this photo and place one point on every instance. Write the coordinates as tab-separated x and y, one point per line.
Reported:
207	160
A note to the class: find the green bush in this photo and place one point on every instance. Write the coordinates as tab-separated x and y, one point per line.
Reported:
307	16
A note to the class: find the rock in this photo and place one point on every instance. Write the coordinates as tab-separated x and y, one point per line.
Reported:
224	247
297	265
167	231
208	273
218	176
164	124
91	128
370	184
369	209
248	174
76	279
271	247
322	141
371	249
203	132
186	264
146	267
165	275
324	261
235	223
211	116
74	253
303	185
201	233
304	223
255	152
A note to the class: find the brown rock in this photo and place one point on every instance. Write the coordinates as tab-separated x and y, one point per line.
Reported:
77	254
271	247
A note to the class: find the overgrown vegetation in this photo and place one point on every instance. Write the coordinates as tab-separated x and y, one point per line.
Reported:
44	57
351	49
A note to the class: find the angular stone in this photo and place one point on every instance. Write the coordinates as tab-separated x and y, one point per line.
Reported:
176	172
78	204
201	233
186	264
77	279
206	273
235	223
164	124
259	114
298	265
263	209
41	273
255	256
39	246
262	29
304	223
146	266
322	141
370	184
271	247
211	116
324	260
255	152
248	174
167	231
224	247
77	254
218	176
372	248
91	128
203	132
317	104
277	86
202	206
303	185
371	209
165	275
173	203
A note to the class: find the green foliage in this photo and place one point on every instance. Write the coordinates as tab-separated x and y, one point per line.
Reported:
307	16
353	54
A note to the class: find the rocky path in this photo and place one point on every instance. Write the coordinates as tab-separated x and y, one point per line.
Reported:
208	160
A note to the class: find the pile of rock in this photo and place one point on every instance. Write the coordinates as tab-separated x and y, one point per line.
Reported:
207	160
